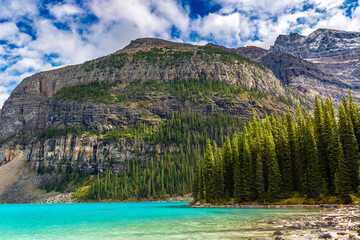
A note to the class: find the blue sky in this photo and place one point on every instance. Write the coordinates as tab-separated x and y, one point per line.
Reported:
38	35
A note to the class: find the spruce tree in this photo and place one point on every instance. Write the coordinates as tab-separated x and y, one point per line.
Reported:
218	179
320	139
228	169
332	143
284	159
300	139
349	166
354	116
242	175
343	178
272	166
311	179
294	146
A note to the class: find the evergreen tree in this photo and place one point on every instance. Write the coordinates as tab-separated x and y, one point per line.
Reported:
273	171
348	166
228	169
243	169
208	171
332	143
218	179
354	116
320	139
285	163
294	146
311	179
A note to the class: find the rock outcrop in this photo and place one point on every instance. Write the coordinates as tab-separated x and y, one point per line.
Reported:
332	51
31	104
319	44
137	80
303	76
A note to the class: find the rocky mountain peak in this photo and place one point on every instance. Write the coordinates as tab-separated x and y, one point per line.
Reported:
320	43
335	52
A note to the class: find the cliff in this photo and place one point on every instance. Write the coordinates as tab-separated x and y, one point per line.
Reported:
332	51
75	122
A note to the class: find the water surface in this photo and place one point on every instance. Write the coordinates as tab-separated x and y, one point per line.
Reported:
148	220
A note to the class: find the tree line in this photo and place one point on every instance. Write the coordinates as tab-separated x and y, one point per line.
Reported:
270	159
170	173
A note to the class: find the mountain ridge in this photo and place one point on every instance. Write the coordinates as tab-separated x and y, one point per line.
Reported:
153	100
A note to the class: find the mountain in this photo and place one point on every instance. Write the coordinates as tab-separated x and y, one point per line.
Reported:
304	77
333	51
134	114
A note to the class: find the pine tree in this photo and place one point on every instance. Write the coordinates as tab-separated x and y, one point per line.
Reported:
218	182
209	164
273	171
228	169
311	179
284	159
196	184
332	143
300	134
354	116
294	146
320	139
343	178
348	166
242	175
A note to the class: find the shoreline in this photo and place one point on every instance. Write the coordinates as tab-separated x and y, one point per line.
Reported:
269	206
341	223
329	221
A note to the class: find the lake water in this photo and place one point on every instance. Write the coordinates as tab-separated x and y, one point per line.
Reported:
134	221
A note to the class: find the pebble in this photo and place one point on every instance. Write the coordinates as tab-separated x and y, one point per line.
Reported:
325	236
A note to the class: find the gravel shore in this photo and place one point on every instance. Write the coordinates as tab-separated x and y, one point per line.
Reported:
331	222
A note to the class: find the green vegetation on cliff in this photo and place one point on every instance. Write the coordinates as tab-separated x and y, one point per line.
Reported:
95	91
195	90
275	157
225	56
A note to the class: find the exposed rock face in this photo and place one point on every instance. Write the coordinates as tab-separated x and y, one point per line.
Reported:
35	105
88	153
319	44
30	104
334	52
303	76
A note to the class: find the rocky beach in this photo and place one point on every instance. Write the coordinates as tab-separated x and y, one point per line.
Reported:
331	221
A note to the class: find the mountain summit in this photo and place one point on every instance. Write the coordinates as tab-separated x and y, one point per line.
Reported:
320	43
333	51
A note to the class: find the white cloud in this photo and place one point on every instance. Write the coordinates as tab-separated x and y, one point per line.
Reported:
137	12
62	10
224	28
120	21
268	6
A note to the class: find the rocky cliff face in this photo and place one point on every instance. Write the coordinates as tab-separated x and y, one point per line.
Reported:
303	76
143	83
332	51
321	43
30	104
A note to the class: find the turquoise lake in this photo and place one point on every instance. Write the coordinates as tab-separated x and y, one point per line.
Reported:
150	220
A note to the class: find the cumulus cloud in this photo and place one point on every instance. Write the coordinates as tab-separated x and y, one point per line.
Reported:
61	11
38	35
